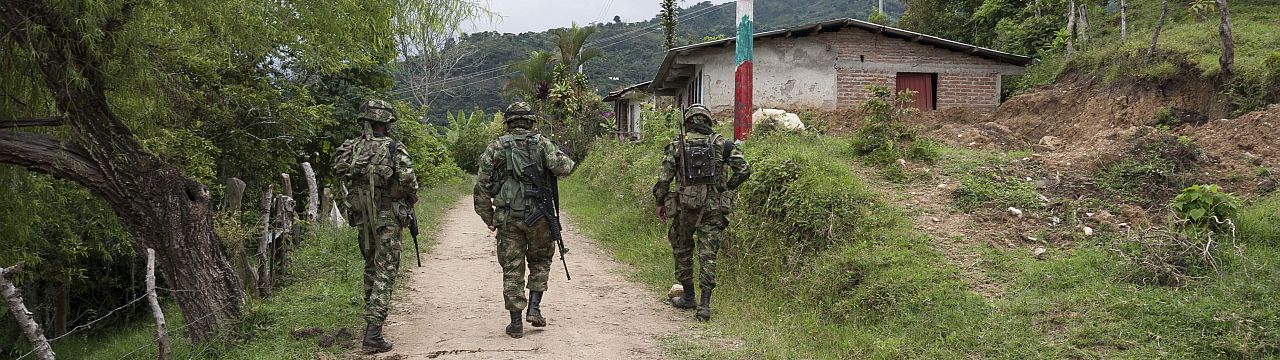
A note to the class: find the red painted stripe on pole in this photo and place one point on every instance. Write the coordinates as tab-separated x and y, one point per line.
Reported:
742	101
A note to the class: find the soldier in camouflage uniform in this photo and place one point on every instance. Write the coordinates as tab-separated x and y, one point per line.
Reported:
383	189
701	204
514	173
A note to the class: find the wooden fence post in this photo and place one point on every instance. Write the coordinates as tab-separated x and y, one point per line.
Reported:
234	196
313	195
264	251
162	335
13	297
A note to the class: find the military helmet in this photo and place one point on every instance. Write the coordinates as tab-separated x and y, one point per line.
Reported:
519	110
695	110
377	111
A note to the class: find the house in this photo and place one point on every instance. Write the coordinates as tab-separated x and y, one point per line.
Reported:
626	110
826	66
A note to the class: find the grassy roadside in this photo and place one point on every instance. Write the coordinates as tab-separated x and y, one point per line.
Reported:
322	290
817	265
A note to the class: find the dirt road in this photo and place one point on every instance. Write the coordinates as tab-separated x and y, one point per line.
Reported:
452	306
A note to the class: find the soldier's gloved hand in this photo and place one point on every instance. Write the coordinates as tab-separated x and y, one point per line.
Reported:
662	214
413	199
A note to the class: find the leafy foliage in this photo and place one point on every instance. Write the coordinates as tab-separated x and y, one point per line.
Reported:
1205	206
469	135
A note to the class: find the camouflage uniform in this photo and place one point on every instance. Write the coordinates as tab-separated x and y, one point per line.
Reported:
502	201
700	210
379	174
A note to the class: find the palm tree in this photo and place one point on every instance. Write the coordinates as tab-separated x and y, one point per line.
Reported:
531	78
571	43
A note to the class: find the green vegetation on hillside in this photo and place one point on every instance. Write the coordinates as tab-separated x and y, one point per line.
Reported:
818	264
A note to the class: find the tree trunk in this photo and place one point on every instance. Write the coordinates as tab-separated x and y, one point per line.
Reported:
1124	20
1083	22
1228	58
1071	27
160	206
263	279
13	297
1164	11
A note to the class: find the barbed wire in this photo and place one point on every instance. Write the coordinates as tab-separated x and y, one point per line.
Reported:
87	325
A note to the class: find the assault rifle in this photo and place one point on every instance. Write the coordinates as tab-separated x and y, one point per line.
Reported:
548	196
413	231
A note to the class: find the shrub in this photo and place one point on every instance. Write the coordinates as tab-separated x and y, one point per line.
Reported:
469	135
1205	206
1156	165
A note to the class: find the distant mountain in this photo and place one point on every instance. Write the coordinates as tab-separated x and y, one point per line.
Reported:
633	50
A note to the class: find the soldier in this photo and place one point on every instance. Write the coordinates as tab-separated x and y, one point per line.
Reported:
702	201
383	189
516	173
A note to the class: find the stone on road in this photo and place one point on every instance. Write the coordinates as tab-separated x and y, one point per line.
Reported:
452	306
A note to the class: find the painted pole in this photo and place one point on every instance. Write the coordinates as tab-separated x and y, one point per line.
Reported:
742	76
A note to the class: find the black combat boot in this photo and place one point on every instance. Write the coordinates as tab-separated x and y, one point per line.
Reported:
516	328
535	314
685	301
373	342
704	310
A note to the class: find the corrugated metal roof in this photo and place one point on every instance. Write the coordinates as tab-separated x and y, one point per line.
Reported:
614	95
840	24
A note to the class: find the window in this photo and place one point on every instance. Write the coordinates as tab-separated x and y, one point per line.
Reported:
694	91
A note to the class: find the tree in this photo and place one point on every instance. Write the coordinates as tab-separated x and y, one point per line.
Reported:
617	19
99	72
572	45
531	79
1124	20
669	22
1155	36
1227	61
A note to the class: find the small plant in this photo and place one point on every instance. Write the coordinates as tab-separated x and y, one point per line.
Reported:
884	139
1205	206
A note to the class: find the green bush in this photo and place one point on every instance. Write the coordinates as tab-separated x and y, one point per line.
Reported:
1205	206
1155	166
469	135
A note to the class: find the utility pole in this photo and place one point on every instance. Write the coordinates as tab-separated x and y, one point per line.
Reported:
742	76
881	6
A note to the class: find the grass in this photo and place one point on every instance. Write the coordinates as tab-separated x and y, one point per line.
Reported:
1187	46
826	270
322	290
870	286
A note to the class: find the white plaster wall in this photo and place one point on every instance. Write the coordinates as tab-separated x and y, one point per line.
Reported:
790	73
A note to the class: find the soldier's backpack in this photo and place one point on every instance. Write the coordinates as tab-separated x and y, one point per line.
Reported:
703	165
360	162
522	170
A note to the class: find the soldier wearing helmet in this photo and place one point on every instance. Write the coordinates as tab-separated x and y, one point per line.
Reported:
382	187
513	172
696	160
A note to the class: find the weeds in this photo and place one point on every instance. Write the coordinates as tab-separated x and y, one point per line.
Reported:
1154	167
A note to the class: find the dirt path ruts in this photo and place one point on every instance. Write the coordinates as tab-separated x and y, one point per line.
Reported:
452	305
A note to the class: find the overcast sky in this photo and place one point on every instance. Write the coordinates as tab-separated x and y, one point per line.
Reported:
517	16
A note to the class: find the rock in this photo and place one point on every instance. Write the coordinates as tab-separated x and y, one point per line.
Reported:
936	220
902	162
1050	143
778	118
1015	211
676	291
1088	231
1039	252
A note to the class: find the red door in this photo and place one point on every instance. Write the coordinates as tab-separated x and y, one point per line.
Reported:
922	84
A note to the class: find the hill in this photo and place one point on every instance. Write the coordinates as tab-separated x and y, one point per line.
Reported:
633	51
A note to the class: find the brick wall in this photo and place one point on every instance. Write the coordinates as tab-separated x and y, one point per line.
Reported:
864	58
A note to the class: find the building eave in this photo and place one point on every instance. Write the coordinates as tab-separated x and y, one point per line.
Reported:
660	87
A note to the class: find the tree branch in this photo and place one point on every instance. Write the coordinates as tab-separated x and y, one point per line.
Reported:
19	123
51	156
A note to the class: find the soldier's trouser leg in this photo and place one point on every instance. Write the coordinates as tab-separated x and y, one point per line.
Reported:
683	225
381	264
513	241
539	255
710	233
